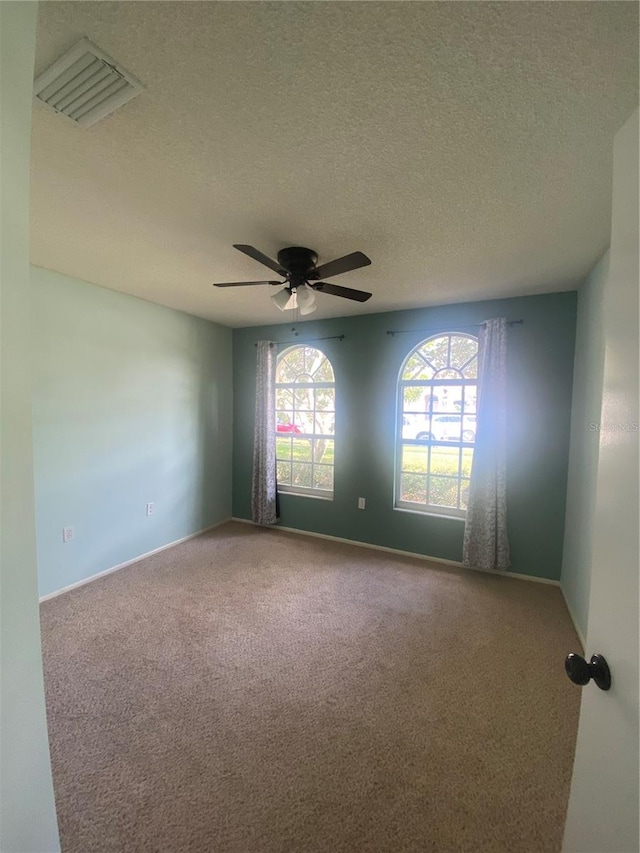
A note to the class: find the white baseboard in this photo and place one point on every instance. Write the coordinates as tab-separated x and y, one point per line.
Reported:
454	563
577	628
426	558
130	562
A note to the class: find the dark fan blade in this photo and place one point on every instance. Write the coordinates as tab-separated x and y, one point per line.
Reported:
245	283
336	290
350	262
258	256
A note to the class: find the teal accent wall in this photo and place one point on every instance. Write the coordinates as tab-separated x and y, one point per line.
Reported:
27	809
132	403
588	377
366	365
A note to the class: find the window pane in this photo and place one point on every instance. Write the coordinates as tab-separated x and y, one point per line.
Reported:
283	447
464	494
469	398
416	426
284	399
445	460
436	351
417	368
284	417
325	423
463	349
313	358
301	474
471	370
325	399
284	473
416	398
469	428
323	477
467	459
301	449
304	399
323	451
413	487
443	491
323	373
415	458
285	372
304	422
447	373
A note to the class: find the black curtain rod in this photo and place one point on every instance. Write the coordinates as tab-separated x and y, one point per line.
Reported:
309	340
449	328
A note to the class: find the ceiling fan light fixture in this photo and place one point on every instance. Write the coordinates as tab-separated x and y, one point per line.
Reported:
298	266
306	300
284	299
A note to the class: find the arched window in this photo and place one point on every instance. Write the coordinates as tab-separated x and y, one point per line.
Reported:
305	422
436	432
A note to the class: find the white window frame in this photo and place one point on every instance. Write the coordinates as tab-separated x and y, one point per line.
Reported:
304	491
415	506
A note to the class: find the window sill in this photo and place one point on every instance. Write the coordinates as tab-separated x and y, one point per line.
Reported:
430	514
307	495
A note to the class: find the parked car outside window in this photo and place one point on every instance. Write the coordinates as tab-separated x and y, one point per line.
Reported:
439	427
453	427
416	427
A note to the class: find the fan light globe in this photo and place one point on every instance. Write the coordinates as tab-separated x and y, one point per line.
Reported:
284	299
306	300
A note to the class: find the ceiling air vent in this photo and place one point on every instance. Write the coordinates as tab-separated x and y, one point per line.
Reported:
85	85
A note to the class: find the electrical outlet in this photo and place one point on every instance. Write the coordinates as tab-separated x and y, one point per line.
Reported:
67	534
150	508
361	503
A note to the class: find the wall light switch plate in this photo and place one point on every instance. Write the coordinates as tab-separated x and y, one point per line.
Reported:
67	534
361	503
150	508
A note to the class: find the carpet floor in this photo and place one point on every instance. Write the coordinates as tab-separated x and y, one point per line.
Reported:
253	691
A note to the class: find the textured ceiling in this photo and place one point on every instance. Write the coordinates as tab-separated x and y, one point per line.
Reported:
465	147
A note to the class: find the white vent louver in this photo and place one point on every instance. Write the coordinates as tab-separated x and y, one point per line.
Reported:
85	85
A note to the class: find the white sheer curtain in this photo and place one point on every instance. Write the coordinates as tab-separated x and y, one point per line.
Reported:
486	545
264	493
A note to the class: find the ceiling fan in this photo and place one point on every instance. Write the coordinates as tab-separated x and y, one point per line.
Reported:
297	266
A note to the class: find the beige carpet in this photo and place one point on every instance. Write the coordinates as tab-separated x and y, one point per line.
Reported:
253	691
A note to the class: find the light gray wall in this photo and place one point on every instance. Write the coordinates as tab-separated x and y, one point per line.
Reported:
132	403
27	813
583	453
606	771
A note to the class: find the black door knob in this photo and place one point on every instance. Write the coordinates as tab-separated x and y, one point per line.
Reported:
581	672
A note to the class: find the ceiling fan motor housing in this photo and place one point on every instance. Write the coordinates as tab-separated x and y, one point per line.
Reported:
299	262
